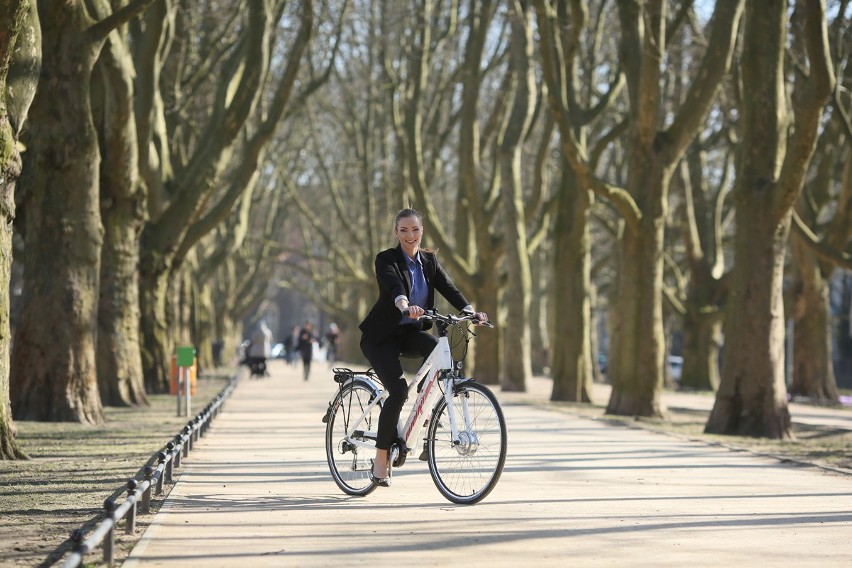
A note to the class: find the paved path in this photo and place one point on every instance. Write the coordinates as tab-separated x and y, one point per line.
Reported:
256	492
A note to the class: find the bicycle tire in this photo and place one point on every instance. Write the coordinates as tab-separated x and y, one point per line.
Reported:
350	465
466	471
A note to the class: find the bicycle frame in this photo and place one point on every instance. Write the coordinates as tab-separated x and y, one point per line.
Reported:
439	360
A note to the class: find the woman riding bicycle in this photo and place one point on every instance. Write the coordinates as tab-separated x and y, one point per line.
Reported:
408	277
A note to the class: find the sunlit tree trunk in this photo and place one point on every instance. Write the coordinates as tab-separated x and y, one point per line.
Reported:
541	305
119	360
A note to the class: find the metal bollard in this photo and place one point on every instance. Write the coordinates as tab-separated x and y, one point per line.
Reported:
178	453
170	447
146	495
187	444
130	519
78	536
109	540
161	459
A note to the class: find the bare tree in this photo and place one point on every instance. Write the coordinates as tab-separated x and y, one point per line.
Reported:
561	26
185	202
518	367
772	163
822	230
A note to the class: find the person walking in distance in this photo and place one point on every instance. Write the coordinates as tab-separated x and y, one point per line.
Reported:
407	277
292	345
306	347
332	340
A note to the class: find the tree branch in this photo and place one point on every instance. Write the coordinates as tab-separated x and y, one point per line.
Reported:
822	250
98	31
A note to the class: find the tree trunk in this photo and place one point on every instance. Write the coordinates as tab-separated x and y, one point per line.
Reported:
637	345
20	58
54	376
540	306
487	353
813	368
119	359
702	336
518	365
154	286
771	168
752	397
203	328
572	354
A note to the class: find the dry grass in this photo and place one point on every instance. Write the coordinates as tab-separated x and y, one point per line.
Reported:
74	468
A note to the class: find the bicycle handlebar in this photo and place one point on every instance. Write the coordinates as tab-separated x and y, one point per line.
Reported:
433	315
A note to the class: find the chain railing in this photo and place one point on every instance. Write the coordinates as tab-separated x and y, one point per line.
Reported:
139	491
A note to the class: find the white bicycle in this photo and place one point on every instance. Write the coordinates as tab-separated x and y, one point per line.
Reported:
465	442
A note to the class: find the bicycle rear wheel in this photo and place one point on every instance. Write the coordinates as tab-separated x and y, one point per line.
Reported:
350	464
466	470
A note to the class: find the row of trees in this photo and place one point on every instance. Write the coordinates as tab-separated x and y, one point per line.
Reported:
180	156
150	124
651	155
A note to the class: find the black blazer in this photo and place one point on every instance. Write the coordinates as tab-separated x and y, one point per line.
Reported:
395	280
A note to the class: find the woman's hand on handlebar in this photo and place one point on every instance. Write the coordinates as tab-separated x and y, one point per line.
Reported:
414	312
478	318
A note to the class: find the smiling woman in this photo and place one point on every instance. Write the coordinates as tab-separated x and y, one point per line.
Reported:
408	277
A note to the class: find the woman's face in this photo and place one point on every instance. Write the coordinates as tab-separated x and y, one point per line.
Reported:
409	231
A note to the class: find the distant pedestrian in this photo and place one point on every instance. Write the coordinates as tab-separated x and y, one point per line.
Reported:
292	345
306	347
332	339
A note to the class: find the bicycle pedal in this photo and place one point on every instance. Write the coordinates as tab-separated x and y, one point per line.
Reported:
424	455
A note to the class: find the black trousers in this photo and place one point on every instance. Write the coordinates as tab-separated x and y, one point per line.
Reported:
384	357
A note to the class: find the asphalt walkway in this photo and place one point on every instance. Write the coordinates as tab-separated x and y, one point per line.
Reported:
256	491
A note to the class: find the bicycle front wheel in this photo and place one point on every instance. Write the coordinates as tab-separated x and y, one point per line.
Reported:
466	469
350	463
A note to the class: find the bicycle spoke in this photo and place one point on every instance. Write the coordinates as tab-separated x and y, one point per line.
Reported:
350	464
467	469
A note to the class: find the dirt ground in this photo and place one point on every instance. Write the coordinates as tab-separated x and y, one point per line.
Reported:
74	468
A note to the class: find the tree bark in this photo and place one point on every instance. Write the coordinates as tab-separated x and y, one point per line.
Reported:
702	338
813	365
119	359
54	376
20	60
752	397
572	344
